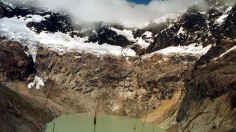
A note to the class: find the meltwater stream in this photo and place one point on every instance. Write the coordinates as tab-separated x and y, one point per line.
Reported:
104	123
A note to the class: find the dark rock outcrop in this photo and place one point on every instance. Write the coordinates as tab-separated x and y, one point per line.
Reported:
14	63
193	24
54	22
17	113
106	35
213	81
230	25
22	111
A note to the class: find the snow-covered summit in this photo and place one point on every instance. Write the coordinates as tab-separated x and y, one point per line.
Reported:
32	27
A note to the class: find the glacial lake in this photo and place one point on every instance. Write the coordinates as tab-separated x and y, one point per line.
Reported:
104	123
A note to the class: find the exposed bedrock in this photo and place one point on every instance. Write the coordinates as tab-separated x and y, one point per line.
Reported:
122	86
209	102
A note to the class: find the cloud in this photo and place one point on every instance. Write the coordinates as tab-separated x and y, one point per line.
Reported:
117	11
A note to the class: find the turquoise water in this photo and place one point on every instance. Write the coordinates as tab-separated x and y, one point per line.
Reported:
105	123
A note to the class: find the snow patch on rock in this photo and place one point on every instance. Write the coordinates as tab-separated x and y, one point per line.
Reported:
148	34
222	18
231	49
181	31
126	33
33	18
145	40
192	49
38	82
16	29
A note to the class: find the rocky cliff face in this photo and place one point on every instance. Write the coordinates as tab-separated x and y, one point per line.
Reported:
191	89
15	64
123	86
20	108
209	103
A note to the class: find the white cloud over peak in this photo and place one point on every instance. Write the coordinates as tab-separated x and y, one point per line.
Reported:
117	11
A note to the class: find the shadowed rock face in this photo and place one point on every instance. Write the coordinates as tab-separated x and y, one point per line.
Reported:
18	113
230	24
193	23
106	35
198	28
215	52
14	63
215	80
54	23
23	111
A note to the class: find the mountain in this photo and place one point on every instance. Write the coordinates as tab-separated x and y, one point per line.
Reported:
179	73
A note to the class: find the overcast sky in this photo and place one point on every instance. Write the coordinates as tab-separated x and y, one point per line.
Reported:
118	11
